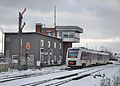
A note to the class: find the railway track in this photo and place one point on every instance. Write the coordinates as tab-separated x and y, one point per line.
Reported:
26	76
44	73
72	78
15	78
2	80
64	79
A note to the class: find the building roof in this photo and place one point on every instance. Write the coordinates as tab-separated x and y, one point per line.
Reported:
32	33
72	28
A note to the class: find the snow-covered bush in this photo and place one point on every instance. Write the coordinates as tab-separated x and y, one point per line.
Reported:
114	81
105	82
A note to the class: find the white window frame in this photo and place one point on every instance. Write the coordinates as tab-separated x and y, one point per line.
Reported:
42	43
55	44
59	45
41	53
48	44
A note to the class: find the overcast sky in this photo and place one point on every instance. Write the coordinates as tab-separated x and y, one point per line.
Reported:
100	19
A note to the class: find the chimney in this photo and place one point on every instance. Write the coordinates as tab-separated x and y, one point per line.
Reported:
38	27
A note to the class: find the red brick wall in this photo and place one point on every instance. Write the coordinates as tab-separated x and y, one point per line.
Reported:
38	28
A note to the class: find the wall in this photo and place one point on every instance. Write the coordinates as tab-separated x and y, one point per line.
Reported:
11	48
66	45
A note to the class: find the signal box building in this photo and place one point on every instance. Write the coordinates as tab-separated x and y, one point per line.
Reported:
69	34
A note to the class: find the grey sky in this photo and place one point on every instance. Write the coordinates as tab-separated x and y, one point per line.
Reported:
99	18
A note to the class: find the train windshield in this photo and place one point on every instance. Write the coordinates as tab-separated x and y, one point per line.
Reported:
73	53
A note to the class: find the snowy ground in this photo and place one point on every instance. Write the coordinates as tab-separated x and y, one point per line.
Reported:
15	72
53	72
91	81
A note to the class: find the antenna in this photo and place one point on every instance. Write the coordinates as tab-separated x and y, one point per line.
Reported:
55	17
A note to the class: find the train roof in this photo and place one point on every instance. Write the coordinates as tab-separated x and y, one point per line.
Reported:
89	50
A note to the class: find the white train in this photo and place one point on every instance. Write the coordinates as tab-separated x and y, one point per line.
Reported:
77	57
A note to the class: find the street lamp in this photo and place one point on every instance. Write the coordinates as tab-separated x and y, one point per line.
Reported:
2	40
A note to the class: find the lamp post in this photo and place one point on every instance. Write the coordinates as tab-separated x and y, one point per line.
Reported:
2	40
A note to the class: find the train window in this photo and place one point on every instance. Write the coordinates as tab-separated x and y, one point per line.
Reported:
73	53
84	55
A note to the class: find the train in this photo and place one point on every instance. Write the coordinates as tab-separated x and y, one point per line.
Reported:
80	56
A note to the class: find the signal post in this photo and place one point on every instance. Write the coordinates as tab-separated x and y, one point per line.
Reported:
21	26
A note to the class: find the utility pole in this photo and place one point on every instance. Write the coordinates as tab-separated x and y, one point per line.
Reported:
55	17
21	26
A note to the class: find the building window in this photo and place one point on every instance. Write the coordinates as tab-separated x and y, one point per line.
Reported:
54	44
68	34
42	43
48	44
65	34
71	34
59	45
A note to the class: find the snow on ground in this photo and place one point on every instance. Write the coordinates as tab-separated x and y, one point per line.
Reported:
15	72
38	78
91	81
88	81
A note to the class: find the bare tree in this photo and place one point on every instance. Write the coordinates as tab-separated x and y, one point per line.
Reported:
103	49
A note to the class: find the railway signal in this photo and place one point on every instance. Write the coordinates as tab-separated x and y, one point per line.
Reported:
21	26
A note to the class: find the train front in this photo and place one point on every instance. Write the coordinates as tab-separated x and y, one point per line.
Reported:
72	57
